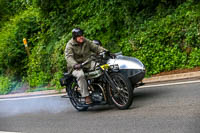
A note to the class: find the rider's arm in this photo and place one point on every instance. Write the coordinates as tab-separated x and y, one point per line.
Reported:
69	56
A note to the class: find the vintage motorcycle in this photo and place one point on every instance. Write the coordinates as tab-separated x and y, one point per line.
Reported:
111	82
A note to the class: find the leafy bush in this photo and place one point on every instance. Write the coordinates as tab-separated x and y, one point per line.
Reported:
163	34
5	85
13	57
169	42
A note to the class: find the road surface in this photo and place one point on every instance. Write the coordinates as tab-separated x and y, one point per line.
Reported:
156	109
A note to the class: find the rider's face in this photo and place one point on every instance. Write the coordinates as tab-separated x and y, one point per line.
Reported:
80	39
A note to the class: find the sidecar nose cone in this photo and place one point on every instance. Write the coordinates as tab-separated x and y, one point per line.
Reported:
126	62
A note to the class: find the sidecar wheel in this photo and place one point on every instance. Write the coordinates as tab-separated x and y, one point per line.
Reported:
75	98
123	96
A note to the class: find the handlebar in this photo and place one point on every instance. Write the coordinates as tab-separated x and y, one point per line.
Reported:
105	55
87	61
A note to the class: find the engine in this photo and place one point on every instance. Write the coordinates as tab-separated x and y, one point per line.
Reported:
97	93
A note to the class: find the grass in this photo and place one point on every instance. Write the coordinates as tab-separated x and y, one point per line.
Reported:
40	89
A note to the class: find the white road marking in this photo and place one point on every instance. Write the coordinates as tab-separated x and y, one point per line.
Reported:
168	84
145	86
31	97
8	132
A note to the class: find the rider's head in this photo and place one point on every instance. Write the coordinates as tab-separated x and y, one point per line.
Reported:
77	35
97	42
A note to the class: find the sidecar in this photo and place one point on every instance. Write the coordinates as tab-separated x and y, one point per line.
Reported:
129	67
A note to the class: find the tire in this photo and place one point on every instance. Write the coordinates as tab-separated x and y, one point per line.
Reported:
123	96
75	97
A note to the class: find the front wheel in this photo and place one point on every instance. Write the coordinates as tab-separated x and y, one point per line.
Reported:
122	95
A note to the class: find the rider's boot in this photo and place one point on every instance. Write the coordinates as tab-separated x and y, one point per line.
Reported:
88	100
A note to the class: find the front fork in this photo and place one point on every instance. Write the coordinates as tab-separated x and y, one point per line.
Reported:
110	81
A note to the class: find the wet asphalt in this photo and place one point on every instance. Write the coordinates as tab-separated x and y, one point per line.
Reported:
162	109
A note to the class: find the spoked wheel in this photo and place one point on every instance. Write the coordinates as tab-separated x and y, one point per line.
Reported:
122	96
75	97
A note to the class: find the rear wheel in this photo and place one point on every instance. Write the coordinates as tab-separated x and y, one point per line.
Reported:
75	97
122	96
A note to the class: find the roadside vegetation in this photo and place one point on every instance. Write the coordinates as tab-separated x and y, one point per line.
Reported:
163	34
5	85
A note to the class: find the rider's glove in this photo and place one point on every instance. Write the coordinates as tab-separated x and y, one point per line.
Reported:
77	66
108	53
104	53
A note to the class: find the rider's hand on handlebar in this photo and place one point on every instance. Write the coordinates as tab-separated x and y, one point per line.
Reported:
77	66
112	55
107	53
104	53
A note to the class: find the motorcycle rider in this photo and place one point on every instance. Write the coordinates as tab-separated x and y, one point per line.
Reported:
77	51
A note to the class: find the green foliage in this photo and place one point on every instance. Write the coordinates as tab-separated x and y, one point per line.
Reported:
38	71
163	34
194	58
5	85
13	57
40	89
168	42
3	9
9	8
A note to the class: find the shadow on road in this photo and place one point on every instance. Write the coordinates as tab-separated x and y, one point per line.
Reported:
102	108
143	97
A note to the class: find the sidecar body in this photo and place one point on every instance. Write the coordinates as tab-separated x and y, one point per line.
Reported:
129	67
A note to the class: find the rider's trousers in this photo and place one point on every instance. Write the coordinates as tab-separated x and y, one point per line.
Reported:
82	83
80	77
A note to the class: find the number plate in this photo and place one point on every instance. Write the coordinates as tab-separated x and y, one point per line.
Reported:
105	66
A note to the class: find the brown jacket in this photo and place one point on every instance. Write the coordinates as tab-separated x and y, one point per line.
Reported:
78	53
